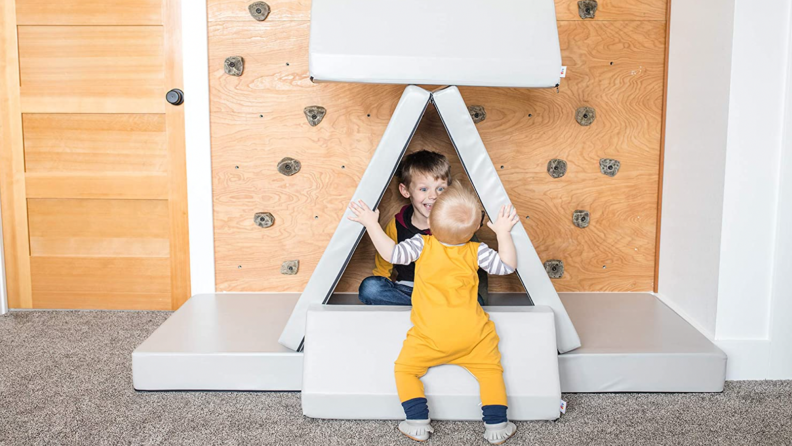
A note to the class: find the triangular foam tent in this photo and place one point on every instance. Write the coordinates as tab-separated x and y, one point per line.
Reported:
479	168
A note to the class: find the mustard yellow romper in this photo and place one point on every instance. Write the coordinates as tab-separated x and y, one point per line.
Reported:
449	326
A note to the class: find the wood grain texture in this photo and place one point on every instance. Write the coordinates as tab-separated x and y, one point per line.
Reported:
662	155
236	10
12	167
615	67
95	143
92	69
98	282
131	186
177	166
104	228
89	12
614	10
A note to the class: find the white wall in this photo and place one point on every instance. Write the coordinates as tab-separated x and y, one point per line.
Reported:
781	298
696	127
725	263
760	65
750	202
199	159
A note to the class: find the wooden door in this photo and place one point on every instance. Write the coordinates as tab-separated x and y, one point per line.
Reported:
92	169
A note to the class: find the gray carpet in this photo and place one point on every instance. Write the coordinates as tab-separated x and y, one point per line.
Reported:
65	379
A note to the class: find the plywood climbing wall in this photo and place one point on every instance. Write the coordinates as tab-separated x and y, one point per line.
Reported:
616	64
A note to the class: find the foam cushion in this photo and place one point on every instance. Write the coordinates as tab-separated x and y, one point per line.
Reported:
221	342
479	168
347	235
350	351
497	43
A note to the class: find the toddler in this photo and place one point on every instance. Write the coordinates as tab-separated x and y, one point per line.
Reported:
449	326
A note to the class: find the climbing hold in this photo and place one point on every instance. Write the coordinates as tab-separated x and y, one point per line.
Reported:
554	268
556	168
314	114
585	116
259	10
290	267
478	113
581	219
609	167
587	9
234	65
264	219
289	166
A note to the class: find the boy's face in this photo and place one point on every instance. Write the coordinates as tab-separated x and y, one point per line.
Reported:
423	192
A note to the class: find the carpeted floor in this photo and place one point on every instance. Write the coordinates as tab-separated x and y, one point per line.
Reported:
65	379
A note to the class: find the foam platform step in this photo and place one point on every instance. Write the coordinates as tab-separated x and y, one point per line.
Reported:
221	342
340	382
632	342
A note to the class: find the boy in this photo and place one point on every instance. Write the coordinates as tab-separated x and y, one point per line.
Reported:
449	327
423	176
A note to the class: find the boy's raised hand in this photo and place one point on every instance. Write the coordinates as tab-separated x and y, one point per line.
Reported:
363	214
507	218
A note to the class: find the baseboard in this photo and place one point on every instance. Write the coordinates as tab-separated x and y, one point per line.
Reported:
748	358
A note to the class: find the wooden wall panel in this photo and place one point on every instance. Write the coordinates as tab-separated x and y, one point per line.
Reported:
95	143
615	64
91	69
89	12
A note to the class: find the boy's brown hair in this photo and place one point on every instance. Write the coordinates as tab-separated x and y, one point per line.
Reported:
456	215
424	162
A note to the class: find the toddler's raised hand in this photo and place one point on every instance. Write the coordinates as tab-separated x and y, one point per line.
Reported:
363	214
507	218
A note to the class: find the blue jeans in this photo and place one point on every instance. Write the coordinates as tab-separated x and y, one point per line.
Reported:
376	290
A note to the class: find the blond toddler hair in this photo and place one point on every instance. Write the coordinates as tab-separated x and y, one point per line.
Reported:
456	215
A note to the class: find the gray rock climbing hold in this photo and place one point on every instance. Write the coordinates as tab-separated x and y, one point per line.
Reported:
264	219
259	10
587	9
314	114
609	167
234	65
581	219
554	268
290	267
478	113
289	166
585	116
556	168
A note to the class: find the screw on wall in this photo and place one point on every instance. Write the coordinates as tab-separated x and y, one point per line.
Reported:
289	166
234	65
581	219
609	167
585	116
587	9
314	114
259	10
290	267
556	168
478	113
264	219
554	268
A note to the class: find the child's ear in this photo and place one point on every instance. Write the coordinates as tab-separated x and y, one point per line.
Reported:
403	190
